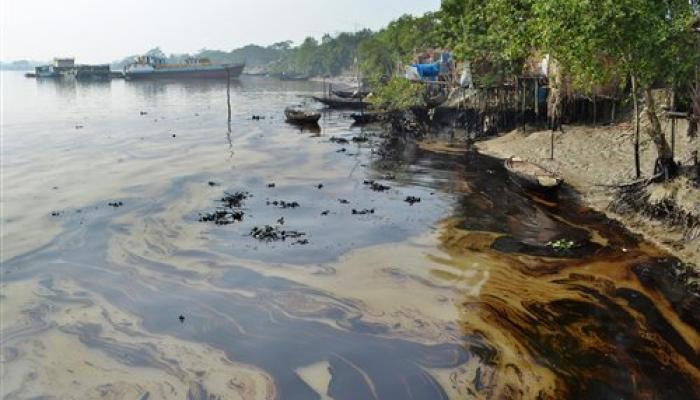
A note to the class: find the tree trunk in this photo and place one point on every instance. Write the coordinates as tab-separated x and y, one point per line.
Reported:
694	119
555	95
635	101
664	161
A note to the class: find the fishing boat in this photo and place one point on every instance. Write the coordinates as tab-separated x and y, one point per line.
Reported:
532	176
351	94
285	76
340	103
149	67
301	115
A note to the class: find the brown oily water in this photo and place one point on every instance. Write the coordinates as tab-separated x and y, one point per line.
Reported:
457	295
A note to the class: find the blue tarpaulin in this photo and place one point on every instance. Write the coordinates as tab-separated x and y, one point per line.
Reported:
428	70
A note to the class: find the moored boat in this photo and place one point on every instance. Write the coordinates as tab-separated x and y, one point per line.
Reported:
301	115
148	67
338	102
285	76
532	176
351	94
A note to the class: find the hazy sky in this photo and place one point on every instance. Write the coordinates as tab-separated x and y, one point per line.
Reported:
103	31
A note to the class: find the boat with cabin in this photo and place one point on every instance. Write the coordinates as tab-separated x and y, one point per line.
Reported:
150	67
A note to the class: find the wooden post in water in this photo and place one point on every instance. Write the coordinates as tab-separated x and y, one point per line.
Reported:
228	96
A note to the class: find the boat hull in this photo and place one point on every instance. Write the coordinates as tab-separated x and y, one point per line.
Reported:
340	103
232	71
541	180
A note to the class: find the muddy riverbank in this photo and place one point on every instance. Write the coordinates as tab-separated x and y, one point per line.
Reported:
596	160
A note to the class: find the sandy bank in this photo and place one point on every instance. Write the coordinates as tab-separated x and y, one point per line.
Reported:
592	159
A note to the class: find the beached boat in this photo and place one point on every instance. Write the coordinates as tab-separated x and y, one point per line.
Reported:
532	176
149	67
302	115
340	103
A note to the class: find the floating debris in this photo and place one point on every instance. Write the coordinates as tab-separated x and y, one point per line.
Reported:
412	200
343	150
234	200
270	185
281	221
325	212
389	177
320	186
181	318
362	212
55	213
272	233
284	204
115	204
339	140
79	127
143	113
360	139
343	201
377	187
223	216
212	183
230	212
257	117
174	135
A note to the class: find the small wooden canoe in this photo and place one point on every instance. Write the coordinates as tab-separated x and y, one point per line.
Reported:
350	94
532	176
301	115
340	103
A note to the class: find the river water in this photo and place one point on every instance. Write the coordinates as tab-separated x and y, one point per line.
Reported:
455	296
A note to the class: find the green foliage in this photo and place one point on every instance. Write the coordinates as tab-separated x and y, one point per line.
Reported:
382	52
397	94
562	245
331	56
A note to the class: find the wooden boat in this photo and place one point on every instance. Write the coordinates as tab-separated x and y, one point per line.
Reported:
301	115
532	176
351	94
340	103
366	117
293	77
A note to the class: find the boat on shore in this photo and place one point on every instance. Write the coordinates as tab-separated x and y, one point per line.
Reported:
532	176
149	67
301	115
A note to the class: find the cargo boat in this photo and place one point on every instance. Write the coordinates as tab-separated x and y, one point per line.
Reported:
149	67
